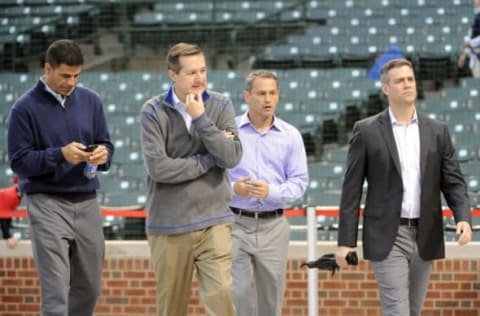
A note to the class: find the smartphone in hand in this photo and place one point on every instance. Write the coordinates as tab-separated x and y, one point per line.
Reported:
91	148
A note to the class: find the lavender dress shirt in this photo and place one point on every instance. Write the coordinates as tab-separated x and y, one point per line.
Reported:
276	156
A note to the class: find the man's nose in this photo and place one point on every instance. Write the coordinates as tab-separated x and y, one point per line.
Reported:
71	81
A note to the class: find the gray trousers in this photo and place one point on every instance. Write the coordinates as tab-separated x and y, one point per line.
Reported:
260	249
403	276
68	247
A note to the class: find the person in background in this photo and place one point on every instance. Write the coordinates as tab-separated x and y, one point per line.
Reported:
49	129
272	172
5	224
393	52
189	138
408	160
10	198
471	49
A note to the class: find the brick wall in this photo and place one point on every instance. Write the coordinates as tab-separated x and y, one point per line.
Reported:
129	287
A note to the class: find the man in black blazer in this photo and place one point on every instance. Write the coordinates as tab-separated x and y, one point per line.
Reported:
407	160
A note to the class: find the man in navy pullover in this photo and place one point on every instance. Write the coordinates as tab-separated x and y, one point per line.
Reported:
49	128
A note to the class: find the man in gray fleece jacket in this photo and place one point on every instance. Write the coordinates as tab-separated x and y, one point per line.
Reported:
189	138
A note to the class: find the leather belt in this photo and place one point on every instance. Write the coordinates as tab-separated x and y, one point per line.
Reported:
410	222
256	215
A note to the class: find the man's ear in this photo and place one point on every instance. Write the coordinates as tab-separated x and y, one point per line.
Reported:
47	68
385	88
246	95
172	74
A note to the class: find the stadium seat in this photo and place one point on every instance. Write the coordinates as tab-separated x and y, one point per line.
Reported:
327	109
471	168
111	183
475	203
434	66
6	176
467	118
329	170
473	184
189	6
149	18
337	155
335	184
469	83
466	145
132	171
317	183
305	122
291	15
326	198
127	199
125	155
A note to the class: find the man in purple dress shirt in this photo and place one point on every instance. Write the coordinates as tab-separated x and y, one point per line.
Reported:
272	172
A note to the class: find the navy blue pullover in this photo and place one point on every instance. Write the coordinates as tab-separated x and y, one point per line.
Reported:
38	126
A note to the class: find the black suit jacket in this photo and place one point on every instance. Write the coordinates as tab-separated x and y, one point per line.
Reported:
373	157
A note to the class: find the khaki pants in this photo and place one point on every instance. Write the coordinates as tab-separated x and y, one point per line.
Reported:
173	258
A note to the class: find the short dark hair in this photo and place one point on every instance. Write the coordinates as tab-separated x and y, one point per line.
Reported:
259	73
64	51
394	63
179	50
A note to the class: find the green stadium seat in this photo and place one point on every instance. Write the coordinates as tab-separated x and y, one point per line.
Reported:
127	199
124	155
471	168
474	203
111	183
149	18
335	184
329	170
305	122
466	118
189	6
291	15
132	171
6	176
473	184
466	145
336	155
317	184
469	83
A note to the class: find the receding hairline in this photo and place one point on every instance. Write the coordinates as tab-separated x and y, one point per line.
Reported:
181	50
392	64
259	73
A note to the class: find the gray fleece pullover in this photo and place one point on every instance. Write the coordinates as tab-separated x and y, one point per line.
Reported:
187	184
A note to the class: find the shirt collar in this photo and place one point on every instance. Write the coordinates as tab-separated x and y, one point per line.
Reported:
244	120
395	121
476	10
169	97
177	103
60	98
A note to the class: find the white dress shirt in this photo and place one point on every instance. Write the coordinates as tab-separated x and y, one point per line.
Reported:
181	108
407	139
